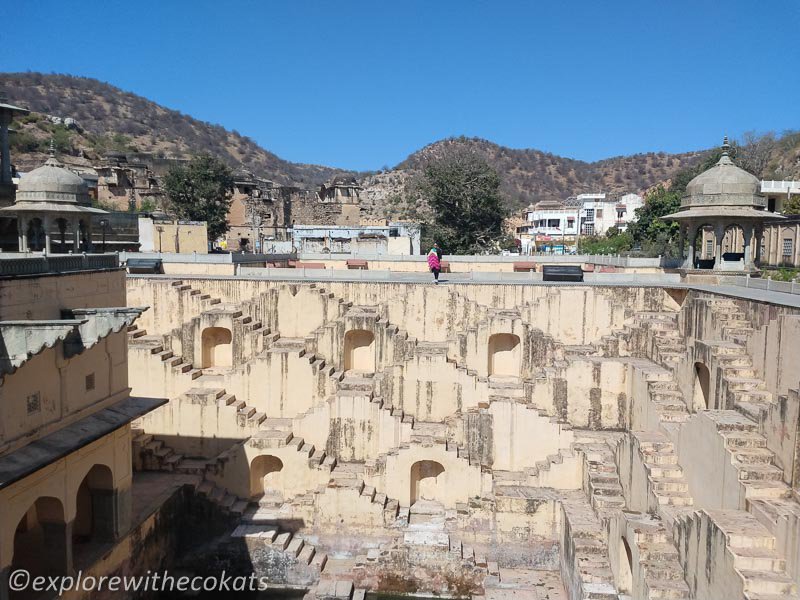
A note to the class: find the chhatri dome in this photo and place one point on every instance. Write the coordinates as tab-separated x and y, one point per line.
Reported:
725	198
49	196
723	185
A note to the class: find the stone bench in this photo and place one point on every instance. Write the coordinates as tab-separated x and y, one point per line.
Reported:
524	267
354	263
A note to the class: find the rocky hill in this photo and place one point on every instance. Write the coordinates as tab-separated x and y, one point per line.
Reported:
531	175
110	119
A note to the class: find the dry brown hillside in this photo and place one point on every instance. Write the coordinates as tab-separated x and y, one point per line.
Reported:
110	119
530	175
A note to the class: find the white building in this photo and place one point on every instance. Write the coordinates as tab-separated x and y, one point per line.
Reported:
549	226
598	213
777	192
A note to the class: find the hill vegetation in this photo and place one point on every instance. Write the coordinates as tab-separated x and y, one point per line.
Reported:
108	119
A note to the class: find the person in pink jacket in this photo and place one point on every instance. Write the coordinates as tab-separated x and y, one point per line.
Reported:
434	262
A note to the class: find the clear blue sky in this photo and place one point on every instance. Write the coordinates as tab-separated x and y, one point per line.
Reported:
363	84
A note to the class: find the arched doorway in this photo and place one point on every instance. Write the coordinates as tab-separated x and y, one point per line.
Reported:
266	477
704	244
425	479
504	354
733	244
35	235
702	383
359	351
96	514
217	348
40	540
625	572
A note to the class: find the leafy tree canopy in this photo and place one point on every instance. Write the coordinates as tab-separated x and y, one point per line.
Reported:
466	206
649	231
201	191
792	206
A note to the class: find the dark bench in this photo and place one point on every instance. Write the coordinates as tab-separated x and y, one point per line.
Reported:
354	263
571	273
144	265
524	267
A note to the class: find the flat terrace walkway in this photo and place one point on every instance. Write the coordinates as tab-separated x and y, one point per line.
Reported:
670	281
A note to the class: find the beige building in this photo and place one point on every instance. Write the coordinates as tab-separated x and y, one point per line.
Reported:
163	234
65	413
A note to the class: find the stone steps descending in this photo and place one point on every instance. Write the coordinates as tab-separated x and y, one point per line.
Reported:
292	546
749	547
585	566
666	482
749	455
658	572
601	478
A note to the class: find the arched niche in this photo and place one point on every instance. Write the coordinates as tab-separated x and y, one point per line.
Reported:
266	476
359	351
504	355
426	477
702	384
217	347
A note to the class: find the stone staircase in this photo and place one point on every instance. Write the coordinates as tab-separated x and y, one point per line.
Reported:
546	473
657	568
152	454
585	568
350	476
667	487
747	564
291	546
601	478
749	455
139	338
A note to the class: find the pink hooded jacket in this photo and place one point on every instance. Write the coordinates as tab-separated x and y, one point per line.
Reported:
433	260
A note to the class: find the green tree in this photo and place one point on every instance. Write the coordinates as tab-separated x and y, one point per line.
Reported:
147	206
466	207
201	191
654	235
792	206
613	242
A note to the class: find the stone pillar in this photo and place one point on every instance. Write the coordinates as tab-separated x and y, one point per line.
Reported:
758	236
76	233
681	240
62	230
22	223
89	243
57	551
796	245
5	154
748	250
105	524
719	233
689	263
4	591
46	227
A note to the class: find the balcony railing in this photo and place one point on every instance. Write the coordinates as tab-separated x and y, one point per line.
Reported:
66	263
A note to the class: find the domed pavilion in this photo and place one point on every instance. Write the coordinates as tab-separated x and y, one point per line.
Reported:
52	198
724	207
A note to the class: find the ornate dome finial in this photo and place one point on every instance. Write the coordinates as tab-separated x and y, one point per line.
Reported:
725	146
52	161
